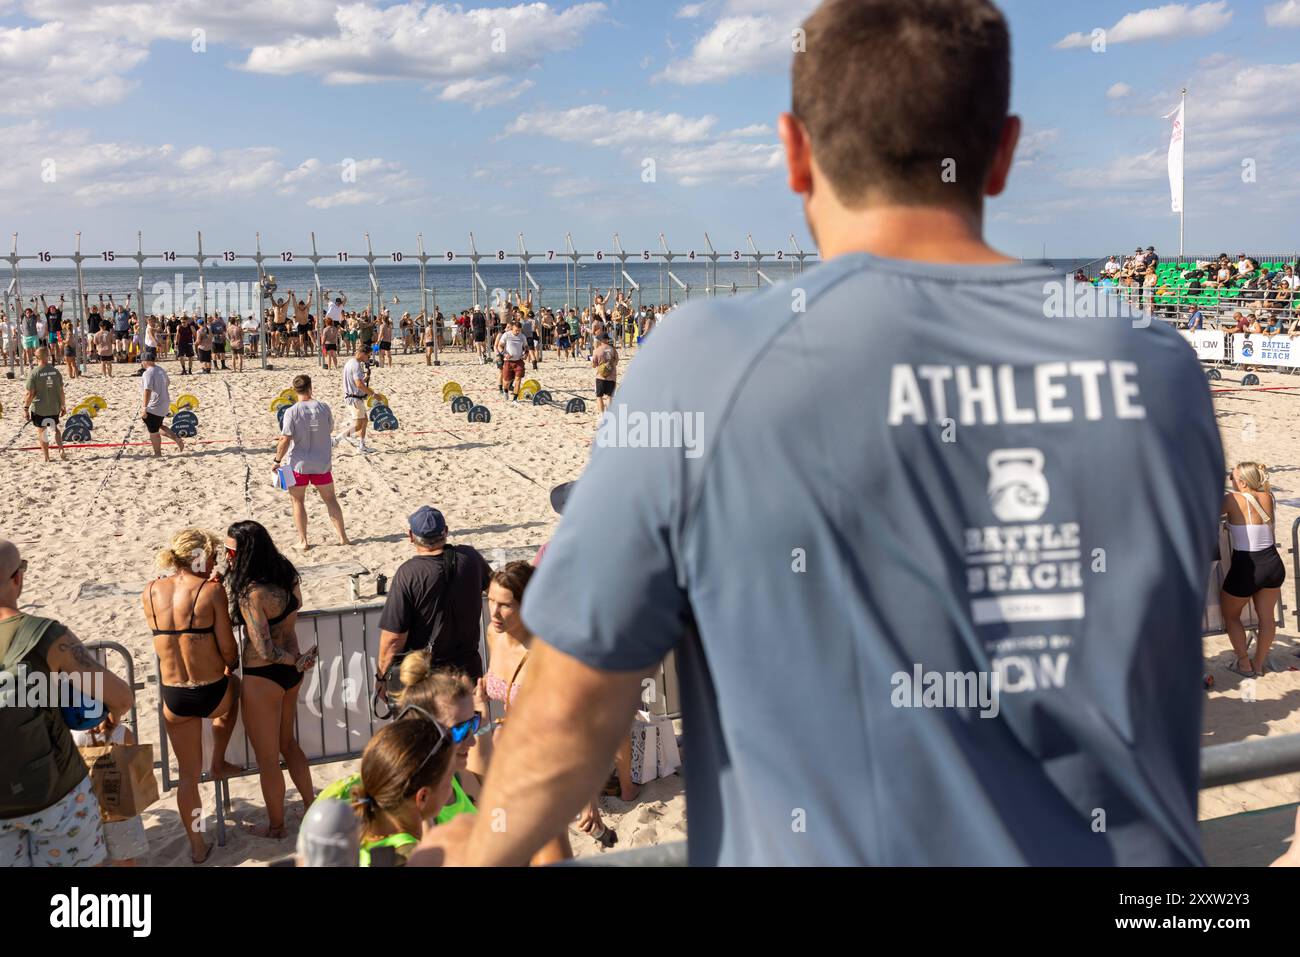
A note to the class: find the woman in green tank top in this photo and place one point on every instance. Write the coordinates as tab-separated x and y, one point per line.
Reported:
461	708
405	782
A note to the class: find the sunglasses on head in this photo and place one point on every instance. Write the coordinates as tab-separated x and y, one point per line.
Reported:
443	734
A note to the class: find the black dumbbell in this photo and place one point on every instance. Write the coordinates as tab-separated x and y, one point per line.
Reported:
542	397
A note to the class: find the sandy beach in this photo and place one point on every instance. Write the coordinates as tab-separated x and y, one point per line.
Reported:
89	528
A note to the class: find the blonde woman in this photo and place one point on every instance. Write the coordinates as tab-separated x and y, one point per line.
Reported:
1256	573
197	659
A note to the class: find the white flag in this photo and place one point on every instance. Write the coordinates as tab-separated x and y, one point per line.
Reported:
1176	160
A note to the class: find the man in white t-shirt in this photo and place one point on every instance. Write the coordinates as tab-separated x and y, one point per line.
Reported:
356	389
156	402
306	448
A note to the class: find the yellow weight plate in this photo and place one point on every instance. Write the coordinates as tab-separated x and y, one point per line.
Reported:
278	403
450	391
97	401
187	401
529	388
289	395
377	399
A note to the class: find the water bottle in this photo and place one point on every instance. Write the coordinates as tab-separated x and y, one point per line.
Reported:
381	584
354	588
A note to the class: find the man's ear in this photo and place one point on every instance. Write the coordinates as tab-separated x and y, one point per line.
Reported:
798	153
1000	170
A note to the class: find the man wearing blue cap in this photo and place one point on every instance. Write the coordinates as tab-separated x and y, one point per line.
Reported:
434	601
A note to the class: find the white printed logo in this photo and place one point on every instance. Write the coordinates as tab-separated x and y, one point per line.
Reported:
1017	489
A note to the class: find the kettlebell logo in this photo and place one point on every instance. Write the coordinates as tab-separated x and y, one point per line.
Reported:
1017	489
1247	350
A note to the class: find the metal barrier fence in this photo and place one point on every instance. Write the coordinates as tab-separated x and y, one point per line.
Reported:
617	259
334	720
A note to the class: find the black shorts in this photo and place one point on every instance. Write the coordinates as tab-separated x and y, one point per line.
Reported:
205	355
1251	571
39	420
185	350
121	334
605	387
219	348
70	352
152	422
303	329
386	346
331	347
107	358
480	336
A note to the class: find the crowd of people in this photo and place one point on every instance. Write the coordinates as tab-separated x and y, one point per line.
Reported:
117	334
1264	296
420	771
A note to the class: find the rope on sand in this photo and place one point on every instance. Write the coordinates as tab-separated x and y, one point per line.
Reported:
239	440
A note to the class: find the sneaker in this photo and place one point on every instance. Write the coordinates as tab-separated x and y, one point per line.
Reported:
335	440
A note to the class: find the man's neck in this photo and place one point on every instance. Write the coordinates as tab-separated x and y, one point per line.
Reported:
918	233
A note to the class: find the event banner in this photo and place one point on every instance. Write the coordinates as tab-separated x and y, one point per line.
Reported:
1257	350
1208	344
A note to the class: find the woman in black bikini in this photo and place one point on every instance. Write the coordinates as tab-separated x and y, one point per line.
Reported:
197	660
265	599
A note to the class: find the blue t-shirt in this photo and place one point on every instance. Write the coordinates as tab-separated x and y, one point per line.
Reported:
894	470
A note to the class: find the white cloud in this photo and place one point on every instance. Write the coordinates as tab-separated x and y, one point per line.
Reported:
1285	14
93	173
753	37
1170	22
604	127
745	132
1118	90
736	163
238	22
346	197
690	11
195	157
486	92
49	67
1034	146
437	42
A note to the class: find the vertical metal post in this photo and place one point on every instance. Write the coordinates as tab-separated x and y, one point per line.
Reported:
261	325
81	304
203	286
18	294
429	317
321	305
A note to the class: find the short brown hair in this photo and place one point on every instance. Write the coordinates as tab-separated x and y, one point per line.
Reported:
302	383
514	578
888	90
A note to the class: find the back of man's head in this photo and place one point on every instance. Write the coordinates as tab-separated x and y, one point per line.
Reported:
904	101
302	384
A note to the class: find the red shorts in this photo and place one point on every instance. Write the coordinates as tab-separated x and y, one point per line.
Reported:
325	478
514	369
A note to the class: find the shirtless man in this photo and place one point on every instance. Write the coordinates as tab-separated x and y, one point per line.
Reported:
385	340
279	323
301	323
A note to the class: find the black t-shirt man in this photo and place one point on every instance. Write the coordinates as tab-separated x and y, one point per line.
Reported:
417	605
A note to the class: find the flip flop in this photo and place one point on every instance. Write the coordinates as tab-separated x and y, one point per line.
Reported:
1238	671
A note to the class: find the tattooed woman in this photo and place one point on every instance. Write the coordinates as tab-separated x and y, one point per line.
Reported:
265	598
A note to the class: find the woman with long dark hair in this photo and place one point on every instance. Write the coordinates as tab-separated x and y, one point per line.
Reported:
264	599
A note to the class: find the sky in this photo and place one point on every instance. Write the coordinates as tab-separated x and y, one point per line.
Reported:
635	117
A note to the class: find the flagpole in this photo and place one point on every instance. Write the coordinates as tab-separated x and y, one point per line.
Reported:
1182	176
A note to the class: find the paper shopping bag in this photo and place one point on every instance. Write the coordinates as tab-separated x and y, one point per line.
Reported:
122	776
644	750
667	760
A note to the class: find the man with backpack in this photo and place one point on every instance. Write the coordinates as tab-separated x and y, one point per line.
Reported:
49	816
434	601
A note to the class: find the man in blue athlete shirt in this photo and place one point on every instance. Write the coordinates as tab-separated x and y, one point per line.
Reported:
936	600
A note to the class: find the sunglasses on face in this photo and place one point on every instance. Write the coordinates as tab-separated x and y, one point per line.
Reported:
459	732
